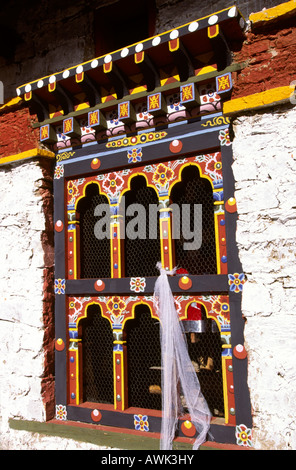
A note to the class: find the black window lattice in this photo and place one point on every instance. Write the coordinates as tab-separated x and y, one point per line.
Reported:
141	255
94	251
205	351
195	190
97	340
144	362
144	359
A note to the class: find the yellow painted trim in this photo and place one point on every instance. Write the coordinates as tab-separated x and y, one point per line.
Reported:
274	12
11	102
258	100
225	391
77	378
134	304
27	154
198	301
121	405
217	242
118	226
169	240
84	191
95	302
201	174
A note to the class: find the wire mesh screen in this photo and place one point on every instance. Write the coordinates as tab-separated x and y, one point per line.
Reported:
94	252
97	343
195	190
205	349
142	254
144	360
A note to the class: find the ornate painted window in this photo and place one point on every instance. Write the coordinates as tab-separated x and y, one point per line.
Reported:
150	135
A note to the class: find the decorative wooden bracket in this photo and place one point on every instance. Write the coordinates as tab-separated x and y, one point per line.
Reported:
116	79
181	59
39	106
71	127
149	71
91	90
63	98
220	47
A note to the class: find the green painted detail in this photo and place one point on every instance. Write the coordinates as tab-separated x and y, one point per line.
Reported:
97	437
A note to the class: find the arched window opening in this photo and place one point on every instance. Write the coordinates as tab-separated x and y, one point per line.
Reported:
193	189
205	351
97	343
142	245
144	360
94	247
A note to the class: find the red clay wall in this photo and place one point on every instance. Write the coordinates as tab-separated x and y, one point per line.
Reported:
270	57
16	132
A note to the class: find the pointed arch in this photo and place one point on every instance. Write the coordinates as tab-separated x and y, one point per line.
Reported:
144	358
94	254
97	356
142	245
194	189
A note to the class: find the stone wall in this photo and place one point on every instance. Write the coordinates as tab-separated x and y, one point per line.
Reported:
265	173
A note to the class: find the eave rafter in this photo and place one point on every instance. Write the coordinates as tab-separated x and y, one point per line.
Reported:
109	80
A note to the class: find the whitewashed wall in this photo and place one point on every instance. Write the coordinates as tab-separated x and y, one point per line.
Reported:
22	222
21	270
265	173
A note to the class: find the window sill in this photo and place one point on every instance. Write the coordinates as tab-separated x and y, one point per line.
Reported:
110	436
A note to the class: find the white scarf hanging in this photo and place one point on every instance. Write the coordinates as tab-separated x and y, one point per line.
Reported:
178	374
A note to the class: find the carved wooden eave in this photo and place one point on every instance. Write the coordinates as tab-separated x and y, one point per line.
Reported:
190	54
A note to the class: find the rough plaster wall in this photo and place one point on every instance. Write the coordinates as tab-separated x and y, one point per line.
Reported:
24	440
25	279
21	294
265	173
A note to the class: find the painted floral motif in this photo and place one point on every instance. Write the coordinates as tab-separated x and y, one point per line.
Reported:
141	423
116	306
174	103
221	305
214	165
72	191
243	436
236	282
76	306
59	286
134	155
61	412
112	184
142	113
59	172
61	136
137	284
211	165
112	119
163	175
224	137
208	93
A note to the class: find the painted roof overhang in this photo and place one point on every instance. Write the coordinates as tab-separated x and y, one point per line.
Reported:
164	62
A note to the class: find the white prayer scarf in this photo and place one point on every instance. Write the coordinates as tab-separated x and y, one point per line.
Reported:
178	374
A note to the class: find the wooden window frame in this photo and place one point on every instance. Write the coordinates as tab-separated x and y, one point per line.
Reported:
196	138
